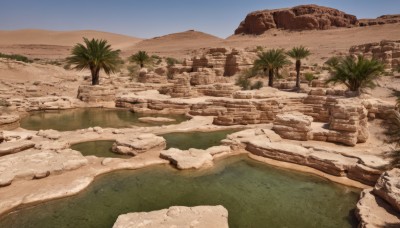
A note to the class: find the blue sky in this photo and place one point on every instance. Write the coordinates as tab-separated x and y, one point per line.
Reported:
149	18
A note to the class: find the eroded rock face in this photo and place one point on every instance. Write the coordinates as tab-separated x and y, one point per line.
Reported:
90	93
373	212
388	51
388	188
42	103
134	145
304	17
9	121
382	20
177	216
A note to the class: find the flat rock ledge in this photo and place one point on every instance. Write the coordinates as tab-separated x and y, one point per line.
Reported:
15	147
156	120
34	164
134	145
178	217
193	158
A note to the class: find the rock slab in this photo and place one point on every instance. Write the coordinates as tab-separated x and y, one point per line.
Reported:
177	216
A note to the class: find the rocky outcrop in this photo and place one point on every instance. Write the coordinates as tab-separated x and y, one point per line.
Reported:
42	103
177	216
293	125
193	158
382	20
152	77
372	211
217	90
89	93
49	134
134	145
32	164
304	17
388	188
388	51
9	121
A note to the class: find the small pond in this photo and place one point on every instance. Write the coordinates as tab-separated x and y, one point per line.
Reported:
256	195
198	140
98	149
73	119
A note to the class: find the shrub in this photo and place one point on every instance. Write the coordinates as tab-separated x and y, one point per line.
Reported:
257	85
156	59
16	57
309	77
133	71
171	61
244	82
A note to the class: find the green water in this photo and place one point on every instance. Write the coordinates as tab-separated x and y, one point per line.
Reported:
98	149
256	195
68	120
198	140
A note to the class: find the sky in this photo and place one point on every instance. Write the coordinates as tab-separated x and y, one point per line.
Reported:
150	18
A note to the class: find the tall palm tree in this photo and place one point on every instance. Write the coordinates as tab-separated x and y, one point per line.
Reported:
357	73
95	55
140	58
271	61
298	53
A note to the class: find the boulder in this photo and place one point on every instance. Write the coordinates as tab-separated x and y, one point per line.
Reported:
188	159
134	145
49	134
177	216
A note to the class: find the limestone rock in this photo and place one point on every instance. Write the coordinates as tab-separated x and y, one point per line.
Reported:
373	212
134	145
32	164
304	17
293	125
9	121
177	216
97	93
388	188
156	120
49	134
187	159
14	147
384	19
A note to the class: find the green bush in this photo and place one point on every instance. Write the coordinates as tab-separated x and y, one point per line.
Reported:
257	85
16	57
156	59
171	61
244	82
309	76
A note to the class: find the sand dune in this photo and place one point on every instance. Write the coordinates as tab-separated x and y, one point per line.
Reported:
62	38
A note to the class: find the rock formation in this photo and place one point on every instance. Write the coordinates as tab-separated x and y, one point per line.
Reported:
89	93
304	17
385	19
177	216
193	158
134	145
293	125
388	188
388	51
9	121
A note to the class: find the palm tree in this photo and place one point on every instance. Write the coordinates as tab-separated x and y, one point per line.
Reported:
271	61
357	73
141	58
95	55
298	53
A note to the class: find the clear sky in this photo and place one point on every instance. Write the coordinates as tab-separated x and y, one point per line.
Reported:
149	18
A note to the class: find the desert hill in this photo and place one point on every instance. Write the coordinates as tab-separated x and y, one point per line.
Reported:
176	44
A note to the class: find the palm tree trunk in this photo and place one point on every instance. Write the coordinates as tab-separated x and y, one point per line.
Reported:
95	76
298	64
271	77
141	65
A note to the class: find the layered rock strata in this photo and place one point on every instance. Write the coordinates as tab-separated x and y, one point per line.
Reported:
89	93
134	145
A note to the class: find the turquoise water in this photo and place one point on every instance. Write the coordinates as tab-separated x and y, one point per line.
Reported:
255	194
198	140
68	120
98	149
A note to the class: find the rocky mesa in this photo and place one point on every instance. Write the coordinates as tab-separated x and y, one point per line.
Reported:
304	17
